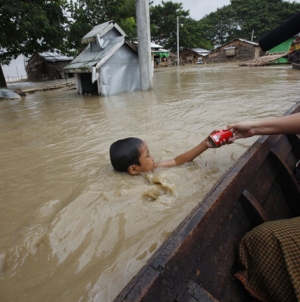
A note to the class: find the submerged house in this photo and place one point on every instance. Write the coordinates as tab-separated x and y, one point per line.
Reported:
277	55
193	55
282	48
108	64
46	66
159	55
235	50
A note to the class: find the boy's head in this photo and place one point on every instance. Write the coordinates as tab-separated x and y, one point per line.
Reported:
131	155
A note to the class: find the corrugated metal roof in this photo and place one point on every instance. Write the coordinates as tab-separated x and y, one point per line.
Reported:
55	57
87	59
153	45
250	42
200	50
101	30
242	40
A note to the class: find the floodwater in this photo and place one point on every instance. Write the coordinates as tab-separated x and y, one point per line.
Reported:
73	229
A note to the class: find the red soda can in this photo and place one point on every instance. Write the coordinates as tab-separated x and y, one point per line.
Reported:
216	138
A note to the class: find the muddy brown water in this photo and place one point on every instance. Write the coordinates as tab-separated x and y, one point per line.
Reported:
73	229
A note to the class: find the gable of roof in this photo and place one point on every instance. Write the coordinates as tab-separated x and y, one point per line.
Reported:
242	40
101	30
229	44
88	59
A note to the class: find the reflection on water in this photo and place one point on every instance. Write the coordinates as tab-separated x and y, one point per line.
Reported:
71	228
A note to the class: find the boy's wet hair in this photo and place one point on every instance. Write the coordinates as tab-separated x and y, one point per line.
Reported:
124	153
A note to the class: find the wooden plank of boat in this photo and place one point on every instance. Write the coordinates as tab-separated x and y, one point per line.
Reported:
197	261
296	65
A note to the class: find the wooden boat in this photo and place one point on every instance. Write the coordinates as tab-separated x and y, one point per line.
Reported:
296	65
197	261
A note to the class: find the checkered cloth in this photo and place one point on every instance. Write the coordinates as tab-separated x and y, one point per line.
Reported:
269	261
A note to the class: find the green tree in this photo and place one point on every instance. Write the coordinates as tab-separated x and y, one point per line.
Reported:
242	17
220	26
163	19
85	14
129	27
261	16
191	34
29	27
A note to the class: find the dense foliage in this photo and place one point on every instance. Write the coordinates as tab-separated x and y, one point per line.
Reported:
261	16
31	26
85	14
220	26
164	29
246	19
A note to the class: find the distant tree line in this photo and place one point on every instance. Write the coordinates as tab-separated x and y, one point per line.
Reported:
242	18
45	25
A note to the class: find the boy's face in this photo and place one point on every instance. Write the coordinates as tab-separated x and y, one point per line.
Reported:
146	161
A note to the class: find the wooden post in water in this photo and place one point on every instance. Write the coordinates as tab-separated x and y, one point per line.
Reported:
144	44
178	58
2	78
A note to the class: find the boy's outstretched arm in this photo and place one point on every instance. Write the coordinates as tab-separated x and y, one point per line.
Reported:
186	156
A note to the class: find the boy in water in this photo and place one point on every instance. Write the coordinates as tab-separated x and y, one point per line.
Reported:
132	155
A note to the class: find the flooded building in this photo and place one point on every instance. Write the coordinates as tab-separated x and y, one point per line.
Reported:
108	64
46	66
193	56
279	54
160	56
235	50
282	48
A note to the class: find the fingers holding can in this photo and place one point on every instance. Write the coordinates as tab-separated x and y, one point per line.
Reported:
217	138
